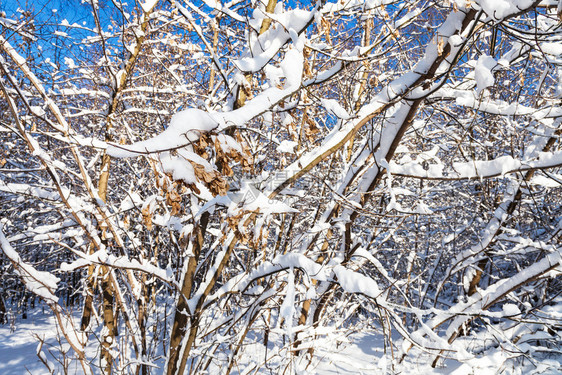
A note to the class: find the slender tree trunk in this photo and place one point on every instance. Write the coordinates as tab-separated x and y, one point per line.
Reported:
3	311
181	317
108	336
89	291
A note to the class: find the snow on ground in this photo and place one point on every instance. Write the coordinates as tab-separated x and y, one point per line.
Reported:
357	353
18	344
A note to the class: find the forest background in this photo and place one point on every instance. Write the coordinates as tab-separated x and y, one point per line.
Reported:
253	186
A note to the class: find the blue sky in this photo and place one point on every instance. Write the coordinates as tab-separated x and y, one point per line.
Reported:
72	10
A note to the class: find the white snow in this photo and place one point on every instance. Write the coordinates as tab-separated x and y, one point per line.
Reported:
287	310
185	127
69	62
287	146
148	5
334	107
499	9
483	72
479	168
510	309
40	283
292	66
552	48
353	282
268	44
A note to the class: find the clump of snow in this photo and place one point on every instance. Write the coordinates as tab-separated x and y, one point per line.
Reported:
552	48
251	199
185	128
287	309
423	209
292	66
499	9
287	146
148	5
40	283
483	72
334	107
229	144
456	40
510	309
269	43
273	74
70	63
353	282
495	8
178	167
